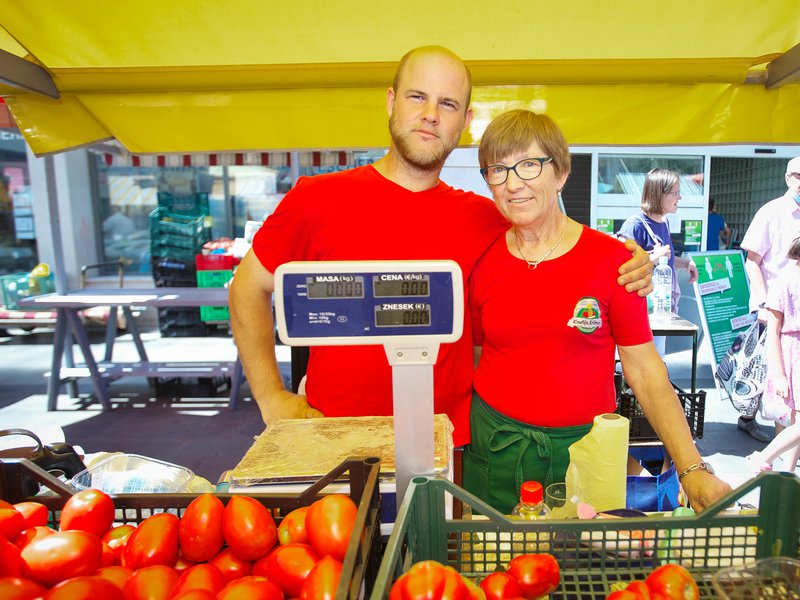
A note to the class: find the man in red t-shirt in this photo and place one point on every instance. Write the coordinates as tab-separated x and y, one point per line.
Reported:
395	209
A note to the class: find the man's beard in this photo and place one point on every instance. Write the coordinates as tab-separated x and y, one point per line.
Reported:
425	159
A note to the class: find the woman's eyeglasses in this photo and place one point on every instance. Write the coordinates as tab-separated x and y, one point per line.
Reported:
527	168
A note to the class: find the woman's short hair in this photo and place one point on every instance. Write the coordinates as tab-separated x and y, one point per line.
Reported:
514	131
657	184
794	249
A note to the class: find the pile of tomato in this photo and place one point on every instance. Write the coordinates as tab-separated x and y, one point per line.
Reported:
213	552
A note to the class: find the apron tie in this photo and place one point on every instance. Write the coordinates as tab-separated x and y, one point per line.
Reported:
506	436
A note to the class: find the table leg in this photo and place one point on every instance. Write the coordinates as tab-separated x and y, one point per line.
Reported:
100	387
694	362
135	334
111	332
236	383
59	336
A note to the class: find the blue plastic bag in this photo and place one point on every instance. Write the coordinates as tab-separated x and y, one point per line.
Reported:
656	492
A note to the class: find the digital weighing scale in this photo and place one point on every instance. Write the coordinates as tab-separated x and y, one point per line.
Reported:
408	307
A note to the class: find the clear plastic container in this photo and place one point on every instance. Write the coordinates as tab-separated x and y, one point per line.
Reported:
777	577
133	474
531	505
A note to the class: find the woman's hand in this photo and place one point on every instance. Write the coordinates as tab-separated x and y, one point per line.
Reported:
693	274
637	273
658	251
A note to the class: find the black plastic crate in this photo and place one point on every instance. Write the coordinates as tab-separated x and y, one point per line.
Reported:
173	330
179	316
363	558
694	407
174	272
192	387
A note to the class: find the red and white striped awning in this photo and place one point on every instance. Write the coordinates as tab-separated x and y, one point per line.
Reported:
114	155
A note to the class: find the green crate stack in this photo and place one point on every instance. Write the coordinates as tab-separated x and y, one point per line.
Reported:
195	205
177	236
214	279
593	554
17	286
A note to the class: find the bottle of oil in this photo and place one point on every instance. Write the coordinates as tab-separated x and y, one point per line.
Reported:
531	505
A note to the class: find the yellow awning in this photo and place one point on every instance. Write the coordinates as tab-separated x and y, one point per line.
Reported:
213	75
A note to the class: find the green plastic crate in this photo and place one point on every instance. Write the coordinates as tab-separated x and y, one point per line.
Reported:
24	285
214	313
164	222
213	279
194	205
595	553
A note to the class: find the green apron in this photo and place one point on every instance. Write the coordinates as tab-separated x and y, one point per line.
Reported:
504	453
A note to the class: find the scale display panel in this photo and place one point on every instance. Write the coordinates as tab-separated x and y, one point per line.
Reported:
368	302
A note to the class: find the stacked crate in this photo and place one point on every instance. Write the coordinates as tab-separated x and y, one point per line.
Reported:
178	229
214	271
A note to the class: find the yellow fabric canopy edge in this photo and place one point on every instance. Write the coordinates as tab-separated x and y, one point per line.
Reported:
356	117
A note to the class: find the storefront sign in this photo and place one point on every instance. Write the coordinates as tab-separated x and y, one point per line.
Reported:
723	294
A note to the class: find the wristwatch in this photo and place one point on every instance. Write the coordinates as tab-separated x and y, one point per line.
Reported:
701	465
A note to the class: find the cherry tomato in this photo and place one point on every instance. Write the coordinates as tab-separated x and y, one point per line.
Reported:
85	588
34	513
323	580
88	510
293	527
10	560
200	577
17	588
60	556
251	588
153	542
248	528
115	574
673	582
201	528
329	523
150	583
116	538
287	566
232	566
30	534
500	586
537	574
11	521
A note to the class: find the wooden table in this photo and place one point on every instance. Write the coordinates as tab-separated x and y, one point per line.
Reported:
104	371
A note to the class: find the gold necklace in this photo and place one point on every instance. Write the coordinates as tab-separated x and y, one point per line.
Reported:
532	264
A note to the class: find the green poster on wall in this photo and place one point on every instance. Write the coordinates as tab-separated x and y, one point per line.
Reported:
723	294
692	232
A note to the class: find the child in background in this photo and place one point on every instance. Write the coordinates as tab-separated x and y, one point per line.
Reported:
782	392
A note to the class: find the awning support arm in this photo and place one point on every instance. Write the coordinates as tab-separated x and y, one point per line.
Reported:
25	75
784	69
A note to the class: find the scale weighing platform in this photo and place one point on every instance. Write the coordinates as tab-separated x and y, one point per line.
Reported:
408	307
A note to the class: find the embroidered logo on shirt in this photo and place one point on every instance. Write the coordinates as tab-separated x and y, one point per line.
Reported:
586	317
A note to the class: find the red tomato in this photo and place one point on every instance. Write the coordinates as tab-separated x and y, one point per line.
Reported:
34	513
108	557
85	588
475	592
288	566
623	595
182	564
153	542
251	588
10	560
454	586
537	574
115	574
88	510
424	581
150	583
673	582
30	534
17	588
200	577
329	523
501	585
232	566
201	528
292	530
640	588
11	522
323	580
116	538
195	595
60	556
248	528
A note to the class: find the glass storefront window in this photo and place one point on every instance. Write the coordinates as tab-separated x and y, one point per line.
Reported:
17	234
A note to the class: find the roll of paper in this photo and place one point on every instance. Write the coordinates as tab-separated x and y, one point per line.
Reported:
598	463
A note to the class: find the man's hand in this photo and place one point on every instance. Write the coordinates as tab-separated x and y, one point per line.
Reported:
286	405
702	488
637	273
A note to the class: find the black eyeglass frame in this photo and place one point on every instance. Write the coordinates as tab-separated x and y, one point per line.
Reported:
542	160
